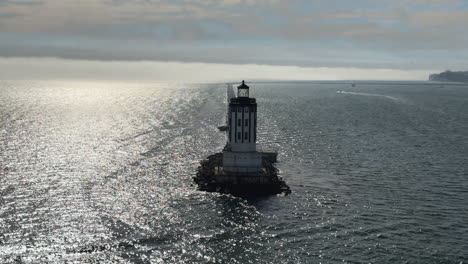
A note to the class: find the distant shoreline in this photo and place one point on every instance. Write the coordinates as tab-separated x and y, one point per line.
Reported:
450	76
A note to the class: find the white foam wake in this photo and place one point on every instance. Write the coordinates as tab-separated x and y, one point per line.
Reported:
371	94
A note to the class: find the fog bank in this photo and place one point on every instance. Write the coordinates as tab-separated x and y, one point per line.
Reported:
63	69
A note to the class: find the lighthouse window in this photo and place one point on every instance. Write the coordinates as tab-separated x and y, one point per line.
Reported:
239	122
246	122
239	135
246	135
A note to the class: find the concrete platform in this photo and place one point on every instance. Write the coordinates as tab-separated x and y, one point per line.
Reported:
212	177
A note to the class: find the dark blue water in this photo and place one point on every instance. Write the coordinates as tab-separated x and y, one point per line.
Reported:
101	172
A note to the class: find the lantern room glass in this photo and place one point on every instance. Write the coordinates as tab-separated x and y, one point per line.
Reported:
243	92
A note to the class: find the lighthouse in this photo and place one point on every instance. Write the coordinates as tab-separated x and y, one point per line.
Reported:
240	169
240	154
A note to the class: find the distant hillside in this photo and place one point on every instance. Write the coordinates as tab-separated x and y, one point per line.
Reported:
450	76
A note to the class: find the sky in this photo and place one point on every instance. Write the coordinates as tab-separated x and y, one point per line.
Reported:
388	39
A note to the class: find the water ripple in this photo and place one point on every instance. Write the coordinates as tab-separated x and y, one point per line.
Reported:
101	172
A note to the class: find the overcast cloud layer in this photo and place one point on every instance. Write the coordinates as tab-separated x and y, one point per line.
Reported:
398	34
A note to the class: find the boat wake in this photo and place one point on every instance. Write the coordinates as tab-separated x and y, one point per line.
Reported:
371	94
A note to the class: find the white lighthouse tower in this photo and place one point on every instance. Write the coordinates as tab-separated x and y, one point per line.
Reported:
240	169
240	154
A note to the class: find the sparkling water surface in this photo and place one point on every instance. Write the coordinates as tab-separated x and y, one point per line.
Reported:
101	172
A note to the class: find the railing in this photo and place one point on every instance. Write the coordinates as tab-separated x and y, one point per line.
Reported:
265	149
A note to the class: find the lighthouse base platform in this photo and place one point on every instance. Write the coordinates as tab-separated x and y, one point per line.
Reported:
211	177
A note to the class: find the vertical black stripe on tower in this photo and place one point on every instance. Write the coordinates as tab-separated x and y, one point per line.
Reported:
250	123
242	124
235	126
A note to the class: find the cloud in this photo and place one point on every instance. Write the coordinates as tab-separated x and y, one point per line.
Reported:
425	2
295	32
20	2
184	19
430	19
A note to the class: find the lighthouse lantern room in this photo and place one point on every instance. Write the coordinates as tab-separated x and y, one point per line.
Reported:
240	154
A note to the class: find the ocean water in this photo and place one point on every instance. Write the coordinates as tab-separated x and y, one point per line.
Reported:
101	172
